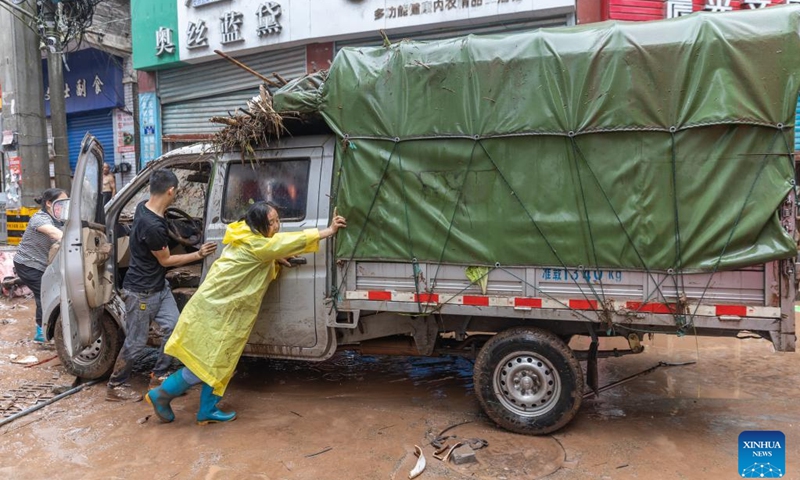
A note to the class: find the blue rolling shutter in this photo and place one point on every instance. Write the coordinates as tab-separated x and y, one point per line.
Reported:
100	123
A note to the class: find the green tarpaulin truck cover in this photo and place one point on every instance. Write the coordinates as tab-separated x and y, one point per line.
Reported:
658	145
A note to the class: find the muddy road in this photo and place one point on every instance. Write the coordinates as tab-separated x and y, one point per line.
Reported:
359	417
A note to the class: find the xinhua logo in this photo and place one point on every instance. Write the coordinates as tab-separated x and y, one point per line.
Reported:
762	454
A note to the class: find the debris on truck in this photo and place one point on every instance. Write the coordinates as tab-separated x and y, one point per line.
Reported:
251	128
260	125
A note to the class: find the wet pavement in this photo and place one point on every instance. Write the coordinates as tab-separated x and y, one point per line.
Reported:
359	417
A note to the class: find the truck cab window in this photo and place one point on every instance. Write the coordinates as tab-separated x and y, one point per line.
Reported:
185	218
284	183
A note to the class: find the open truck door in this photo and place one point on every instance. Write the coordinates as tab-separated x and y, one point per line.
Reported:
88	279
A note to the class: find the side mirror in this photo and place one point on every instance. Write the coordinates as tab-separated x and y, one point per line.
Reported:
61	209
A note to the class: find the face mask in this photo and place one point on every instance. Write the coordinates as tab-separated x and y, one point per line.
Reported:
56	221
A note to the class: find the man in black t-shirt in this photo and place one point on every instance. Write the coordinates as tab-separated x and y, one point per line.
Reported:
145	290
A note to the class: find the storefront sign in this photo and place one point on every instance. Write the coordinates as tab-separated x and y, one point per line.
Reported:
248	25
149	128
93	81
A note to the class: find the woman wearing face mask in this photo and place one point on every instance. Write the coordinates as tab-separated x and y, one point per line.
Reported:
30	261
216	322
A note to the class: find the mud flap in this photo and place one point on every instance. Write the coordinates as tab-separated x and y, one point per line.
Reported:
425	335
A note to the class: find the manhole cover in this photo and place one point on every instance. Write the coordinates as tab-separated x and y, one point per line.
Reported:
24	397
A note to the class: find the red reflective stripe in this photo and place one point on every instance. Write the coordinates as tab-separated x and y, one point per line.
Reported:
476	300
583	304
379	296
426	298
650	307
732	310
528	302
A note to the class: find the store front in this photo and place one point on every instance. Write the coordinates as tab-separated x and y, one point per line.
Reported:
94	98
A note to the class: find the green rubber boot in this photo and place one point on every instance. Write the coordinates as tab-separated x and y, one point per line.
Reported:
208	412
159	398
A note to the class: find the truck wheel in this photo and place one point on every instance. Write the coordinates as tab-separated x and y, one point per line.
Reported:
96	360
528	381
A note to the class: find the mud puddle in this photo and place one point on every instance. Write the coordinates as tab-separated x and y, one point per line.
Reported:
351	375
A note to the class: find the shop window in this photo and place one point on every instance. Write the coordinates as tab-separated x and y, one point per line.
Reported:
283	183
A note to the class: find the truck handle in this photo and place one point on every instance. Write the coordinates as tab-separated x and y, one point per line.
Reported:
294	261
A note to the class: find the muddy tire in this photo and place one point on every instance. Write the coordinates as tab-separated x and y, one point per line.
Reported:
528	381
96	360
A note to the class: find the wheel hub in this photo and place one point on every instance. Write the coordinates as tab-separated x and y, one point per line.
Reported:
527	383
90	353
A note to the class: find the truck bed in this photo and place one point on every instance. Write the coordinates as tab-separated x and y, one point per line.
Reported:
722	304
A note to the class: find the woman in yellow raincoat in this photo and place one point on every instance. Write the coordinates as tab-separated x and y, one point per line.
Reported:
216	322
